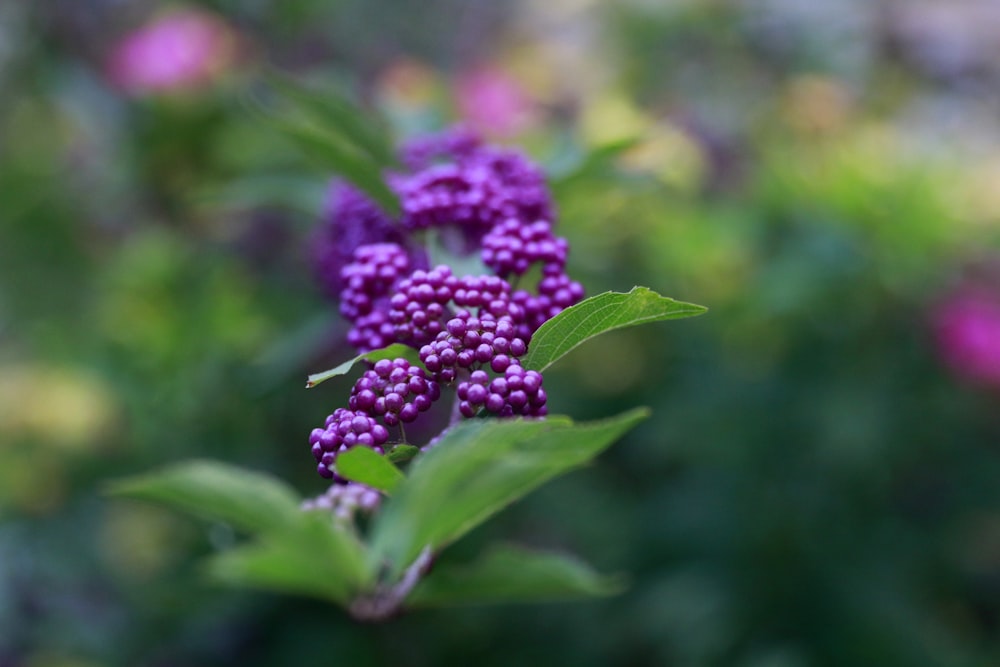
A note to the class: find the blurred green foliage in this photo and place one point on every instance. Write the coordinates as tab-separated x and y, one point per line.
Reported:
813	487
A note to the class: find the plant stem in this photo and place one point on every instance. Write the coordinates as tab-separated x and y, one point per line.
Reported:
386	602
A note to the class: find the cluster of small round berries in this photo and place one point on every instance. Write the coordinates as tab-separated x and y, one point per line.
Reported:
375	269
344	500
556	292
368	280
345	429
454	144
351	220
513	247
472	342
420	302
514	392
474	189
396	391
451	194
374	330
523	179
471	331
475	346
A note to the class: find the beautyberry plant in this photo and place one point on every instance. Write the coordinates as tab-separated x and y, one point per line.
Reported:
460	353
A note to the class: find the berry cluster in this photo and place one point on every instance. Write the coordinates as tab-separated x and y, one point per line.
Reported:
419	303
514	392
468	349
475	188
470	331
368	281
345	429
457	143
384	391
556	292
374	270
352	220
344	500
472	342
513	247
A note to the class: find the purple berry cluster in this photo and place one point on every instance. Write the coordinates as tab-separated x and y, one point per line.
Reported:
345	429
514	392
470	331
351	220
345	500
478	189
396	391
556	292
367	283
456	143
469	350
513	247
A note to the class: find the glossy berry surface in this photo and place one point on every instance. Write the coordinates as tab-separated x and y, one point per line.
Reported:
512	247
418	307
396	391
371	274
344	429
556	292
514	391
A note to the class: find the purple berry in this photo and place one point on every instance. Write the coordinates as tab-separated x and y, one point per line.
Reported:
394	390
344	429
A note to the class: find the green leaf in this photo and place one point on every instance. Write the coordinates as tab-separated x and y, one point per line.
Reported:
334	154
599	314
389	352
365	465
316	559
248	500
509	573
336	114
402	453
478	468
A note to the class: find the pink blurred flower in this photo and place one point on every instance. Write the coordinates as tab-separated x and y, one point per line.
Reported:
493	102
967	331
177	51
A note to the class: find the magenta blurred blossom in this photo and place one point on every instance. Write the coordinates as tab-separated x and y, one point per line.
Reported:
493	102
177	51
967	330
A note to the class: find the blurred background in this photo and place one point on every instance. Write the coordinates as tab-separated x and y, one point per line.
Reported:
820	482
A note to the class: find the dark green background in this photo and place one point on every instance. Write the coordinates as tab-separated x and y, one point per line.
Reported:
814	487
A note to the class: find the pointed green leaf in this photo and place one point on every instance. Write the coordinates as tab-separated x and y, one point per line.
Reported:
599	314
341	158
368	467
478	468
317	559
248	500
509	573
402	453
339	116
389	352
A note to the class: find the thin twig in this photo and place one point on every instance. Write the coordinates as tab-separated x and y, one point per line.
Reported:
385	602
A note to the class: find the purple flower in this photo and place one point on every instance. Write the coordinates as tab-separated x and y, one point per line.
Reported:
967	333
